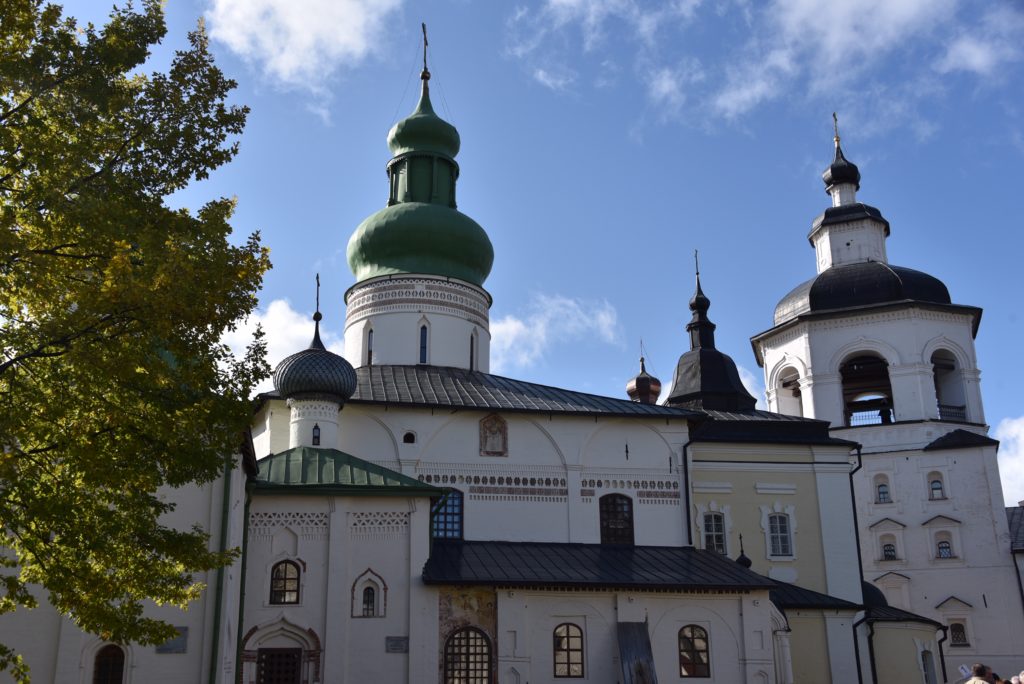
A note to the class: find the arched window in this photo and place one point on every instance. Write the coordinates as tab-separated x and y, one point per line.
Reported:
779	535
949	387
616	519
467	657
889	551
958	634
316	434
928	667
867	394
944	549
369	347
446	516
472	352
369	602
108	668
423	344
694	653
284	583
568	650
936	487
409	438
714	532
787	393
883	493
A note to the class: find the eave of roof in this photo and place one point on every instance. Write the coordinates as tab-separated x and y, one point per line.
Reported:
312	471
791	596
562	565
974	311
960	439
424	386
890	614
1015	518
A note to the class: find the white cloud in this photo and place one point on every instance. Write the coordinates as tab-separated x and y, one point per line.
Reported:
666	85
555	79
518	342
287	331
987	46
754	385
1010	433
300	44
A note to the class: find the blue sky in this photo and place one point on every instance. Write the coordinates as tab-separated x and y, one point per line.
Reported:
605	140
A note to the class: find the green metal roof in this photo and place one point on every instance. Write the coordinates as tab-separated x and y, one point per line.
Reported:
311	470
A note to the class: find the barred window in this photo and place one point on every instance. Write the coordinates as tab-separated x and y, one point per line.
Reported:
278	665
694	653
446	516
616	519
944	549
423	344
958	635
467	657
284	583
714	532
568	650
888	552
779	535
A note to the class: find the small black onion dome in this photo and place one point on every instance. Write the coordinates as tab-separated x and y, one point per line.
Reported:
315	373
644	387
841	170
873	596
860	284
744	561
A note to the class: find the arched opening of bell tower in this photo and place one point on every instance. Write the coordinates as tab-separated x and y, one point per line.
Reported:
867	393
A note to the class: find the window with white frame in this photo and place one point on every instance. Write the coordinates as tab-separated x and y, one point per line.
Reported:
714	532
958	634
780	535
883	493
936	486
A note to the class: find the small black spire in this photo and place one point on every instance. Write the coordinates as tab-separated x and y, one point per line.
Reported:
701	329
425	74
840	170
317	317
742	558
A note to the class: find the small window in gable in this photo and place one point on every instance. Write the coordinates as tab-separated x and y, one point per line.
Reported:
958	634
889	548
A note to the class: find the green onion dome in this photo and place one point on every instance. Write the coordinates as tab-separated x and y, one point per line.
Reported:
417	237
424	131
421	231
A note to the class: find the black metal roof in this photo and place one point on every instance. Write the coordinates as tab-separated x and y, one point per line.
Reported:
1015	517
460	388
891	614
860	284
764	426
636	658
841	170
786	595
960	439
585	565
847	213
315	373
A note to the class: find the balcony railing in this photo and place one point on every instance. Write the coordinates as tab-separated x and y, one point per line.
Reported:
868	412
958	413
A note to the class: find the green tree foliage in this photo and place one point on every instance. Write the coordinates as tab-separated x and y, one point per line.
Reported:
114	384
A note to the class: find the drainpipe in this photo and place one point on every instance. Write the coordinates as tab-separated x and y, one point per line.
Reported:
942	656
860	572
241	583
856	647
686	495
221	546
